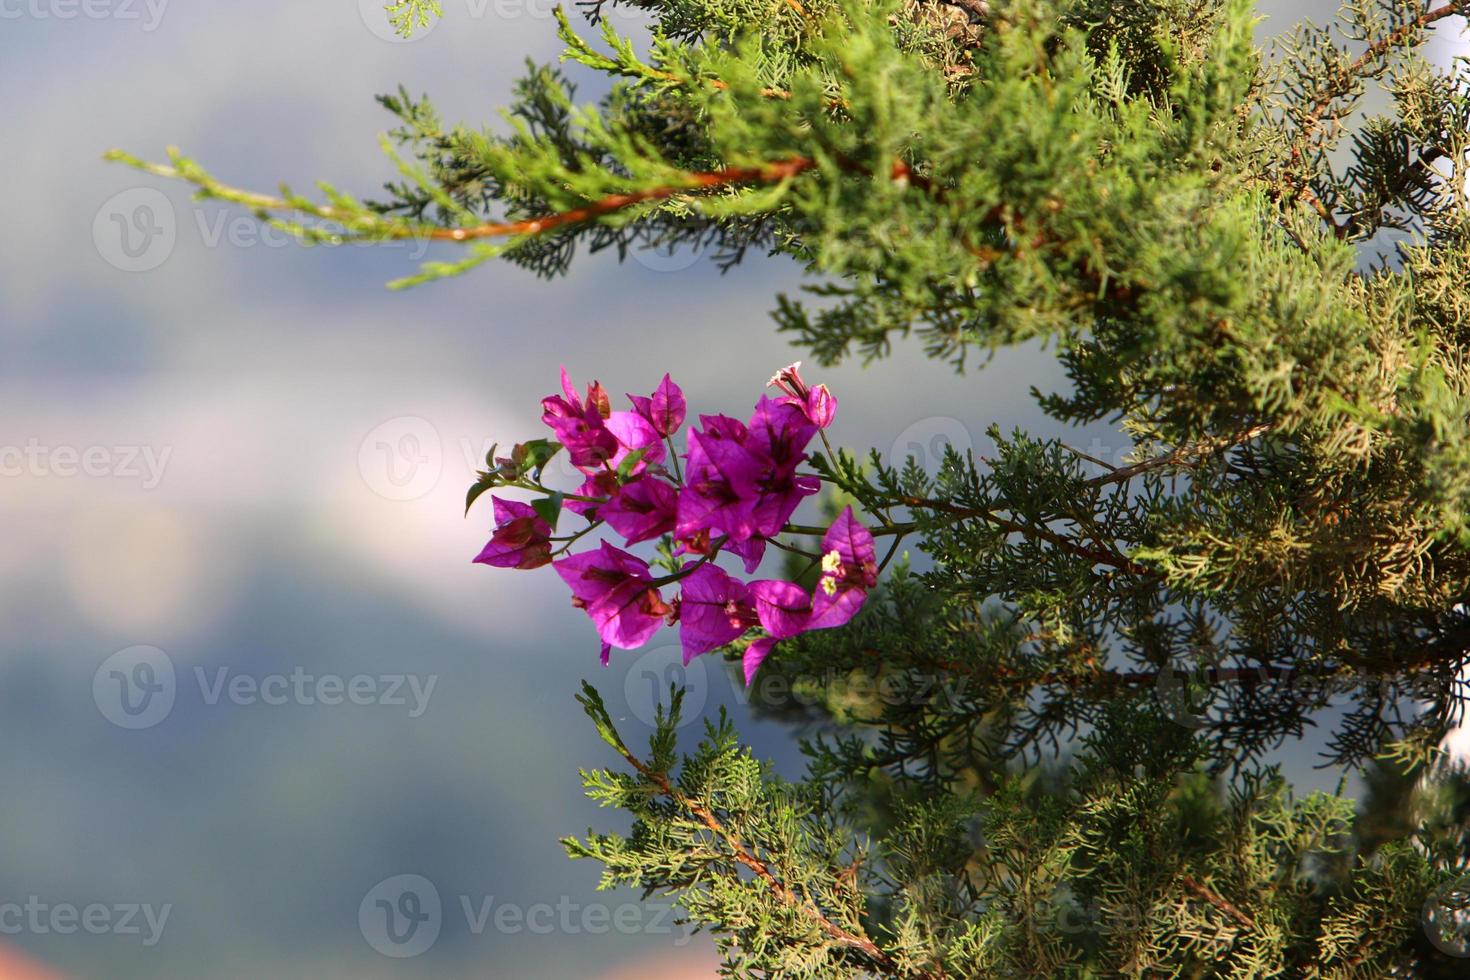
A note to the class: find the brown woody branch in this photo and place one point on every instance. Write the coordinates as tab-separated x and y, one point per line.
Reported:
1104	680
770	173
1450	649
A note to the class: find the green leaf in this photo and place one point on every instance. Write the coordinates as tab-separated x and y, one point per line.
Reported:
532	457
626	467
485	481
548	508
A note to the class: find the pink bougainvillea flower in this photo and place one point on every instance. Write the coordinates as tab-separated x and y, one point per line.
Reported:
617	592
600	486
641	509
741	485
778	435
719	481
633	432
821	406
817	404
714	609
696	544
849	570
579	424
780	431
742	479
596	437
755	655
784	610
750	551
521	539
665	410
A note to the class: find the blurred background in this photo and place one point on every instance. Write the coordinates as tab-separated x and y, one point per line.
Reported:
259	715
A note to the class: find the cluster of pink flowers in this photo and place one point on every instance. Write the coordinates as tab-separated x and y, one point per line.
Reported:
739	485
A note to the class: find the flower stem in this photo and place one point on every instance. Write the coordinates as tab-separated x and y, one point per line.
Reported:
673	577
574	538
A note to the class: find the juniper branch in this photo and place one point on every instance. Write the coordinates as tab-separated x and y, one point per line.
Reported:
854	941
1342	84
374	227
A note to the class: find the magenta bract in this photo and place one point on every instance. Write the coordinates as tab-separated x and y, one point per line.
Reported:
521	538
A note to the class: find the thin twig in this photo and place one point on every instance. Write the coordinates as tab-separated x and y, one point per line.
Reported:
1198	890
1180	455
1100	557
